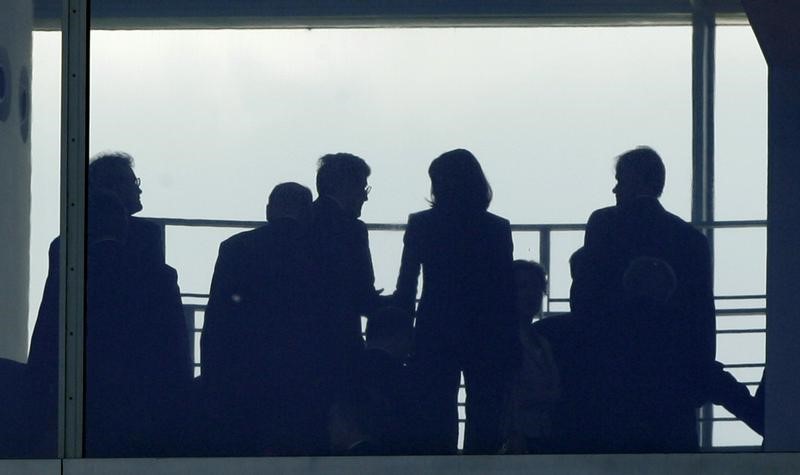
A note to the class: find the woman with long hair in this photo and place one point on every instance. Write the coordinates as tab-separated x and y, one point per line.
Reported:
464	321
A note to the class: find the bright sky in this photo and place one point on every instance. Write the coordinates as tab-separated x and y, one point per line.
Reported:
216	118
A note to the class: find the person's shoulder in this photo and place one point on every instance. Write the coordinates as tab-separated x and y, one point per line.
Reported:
422	216
143	226
603	214
247	238
600	222
324	206
496	220
421	221
55	247
688	231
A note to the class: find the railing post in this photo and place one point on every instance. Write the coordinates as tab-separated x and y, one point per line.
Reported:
544	258
703	31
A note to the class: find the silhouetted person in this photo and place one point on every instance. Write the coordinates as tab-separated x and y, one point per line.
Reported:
574	341
535	385
387	372
352	422
343	266
138	366
643	366
111	176
112	172
15	410
639	226
465	320
725	390
260	363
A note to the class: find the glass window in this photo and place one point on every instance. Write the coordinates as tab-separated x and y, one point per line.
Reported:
214	119
740	254
741	125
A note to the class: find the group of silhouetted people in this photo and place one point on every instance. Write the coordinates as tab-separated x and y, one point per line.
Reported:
287	371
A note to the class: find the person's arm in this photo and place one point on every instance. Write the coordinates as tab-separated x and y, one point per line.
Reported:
702	299
178	336
221	301
405	293
366	294
702	342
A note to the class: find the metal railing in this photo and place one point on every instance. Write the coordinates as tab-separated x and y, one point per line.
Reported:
545	232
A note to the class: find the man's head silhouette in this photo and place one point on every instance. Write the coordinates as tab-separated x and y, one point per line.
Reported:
343	178
289	200
639	173
112	172
530	285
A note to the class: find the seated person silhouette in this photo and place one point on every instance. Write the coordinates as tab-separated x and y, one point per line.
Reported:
260	367
639	226
572	338
110	175
643	366
386	372
535	386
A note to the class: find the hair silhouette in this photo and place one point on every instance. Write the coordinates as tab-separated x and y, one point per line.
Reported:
458	182
647	166
107	168
289	200
338	170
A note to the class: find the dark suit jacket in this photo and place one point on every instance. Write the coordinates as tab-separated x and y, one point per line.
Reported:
258	309
138	367
143	248
678	341
466	302
345	279
259	346
144	245
645	229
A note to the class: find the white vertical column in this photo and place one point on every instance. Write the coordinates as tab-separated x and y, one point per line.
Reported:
16	26
703	39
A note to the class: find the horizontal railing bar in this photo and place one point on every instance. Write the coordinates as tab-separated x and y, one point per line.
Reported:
233	223
740	297
737	331
716	297
758	311
753	223
206	223
744	365
195	295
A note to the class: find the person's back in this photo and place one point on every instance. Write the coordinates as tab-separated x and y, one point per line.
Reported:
647	389
639	226
465	318
465	270
257	342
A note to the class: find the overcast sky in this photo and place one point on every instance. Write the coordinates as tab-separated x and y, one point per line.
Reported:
215	119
